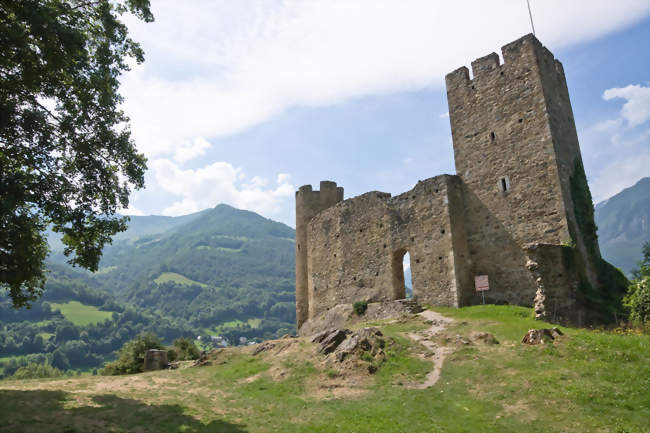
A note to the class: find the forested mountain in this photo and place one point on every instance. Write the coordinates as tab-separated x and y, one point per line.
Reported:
221	271
624	224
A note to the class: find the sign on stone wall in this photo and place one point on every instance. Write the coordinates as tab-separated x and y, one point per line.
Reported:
481	283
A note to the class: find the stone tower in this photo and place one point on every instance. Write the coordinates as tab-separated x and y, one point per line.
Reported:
516	150
308	204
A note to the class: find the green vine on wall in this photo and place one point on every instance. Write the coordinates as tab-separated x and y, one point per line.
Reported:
583	208
612	283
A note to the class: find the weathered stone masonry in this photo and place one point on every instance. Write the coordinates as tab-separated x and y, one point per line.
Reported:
515	150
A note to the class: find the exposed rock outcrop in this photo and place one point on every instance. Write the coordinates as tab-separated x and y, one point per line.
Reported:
541	336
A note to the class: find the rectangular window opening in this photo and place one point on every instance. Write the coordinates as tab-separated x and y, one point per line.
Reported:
504	183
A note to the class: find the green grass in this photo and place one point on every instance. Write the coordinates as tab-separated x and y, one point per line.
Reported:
587	381
81	314
46	335
173	277
218	329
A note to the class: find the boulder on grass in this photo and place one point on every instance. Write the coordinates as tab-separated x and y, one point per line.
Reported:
541	336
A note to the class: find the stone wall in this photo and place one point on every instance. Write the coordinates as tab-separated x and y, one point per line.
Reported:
502	138
556	270
356	248
567	150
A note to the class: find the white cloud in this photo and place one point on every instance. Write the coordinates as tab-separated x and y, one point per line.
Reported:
620	175
218	67
217	183
636	109
618	150
190	150
133	211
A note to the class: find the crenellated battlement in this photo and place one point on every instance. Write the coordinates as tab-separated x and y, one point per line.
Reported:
328	190
525	53
485	64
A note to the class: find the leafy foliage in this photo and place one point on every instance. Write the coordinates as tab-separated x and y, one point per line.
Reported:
584	208
638	296
66	155
131	356
360	307
36	371
606	299
184	349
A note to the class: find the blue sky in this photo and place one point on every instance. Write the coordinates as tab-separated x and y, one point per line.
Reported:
243	102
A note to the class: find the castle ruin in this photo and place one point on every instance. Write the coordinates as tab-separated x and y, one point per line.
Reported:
513	212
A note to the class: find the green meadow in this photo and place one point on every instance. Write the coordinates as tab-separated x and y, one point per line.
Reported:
81	314
586	381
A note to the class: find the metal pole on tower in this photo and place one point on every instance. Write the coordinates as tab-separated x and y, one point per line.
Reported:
530	14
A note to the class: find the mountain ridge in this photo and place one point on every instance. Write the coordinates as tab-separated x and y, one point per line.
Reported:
623	222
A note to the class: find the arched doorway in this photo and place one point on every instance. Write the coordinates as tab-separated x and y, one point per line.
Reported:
402	281
408	281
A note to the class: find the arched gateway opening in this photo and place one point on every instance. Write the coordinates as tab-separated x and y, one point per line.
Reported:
402	280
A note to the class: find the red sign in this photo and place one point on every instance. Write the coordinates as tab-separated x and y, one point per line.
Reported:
481	283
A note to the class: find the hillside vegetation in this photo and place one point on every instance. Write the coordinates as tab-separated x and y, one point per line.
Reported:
219	271
81	314
584	381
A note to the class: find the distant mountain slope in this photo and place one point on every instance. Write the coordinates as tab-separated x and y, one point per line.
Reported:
221	247
208	268
220	271
624	224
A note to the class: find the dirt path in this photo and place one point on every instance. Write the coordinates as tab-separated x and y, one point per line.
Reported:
439	324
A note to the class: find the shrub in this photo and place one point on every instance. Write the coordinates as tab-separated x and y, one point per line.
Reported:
638	300
131	356
36	371
638	295
360	307
183	349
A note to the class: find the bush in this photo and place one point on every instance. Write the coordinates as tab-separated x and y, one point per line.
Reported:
183	349
131	356
638	295
37	371
360	307
638	300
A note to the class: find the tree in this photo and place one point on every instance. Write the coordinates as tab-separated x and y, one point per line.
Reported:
67	160
130	358
638	295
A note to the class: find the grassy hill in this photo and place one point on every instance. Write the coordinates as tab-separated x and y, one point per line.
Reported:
81	314
173	277
586	381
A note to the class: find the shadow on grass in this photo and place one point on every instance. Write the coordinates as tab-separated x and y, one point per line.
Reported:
44	411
